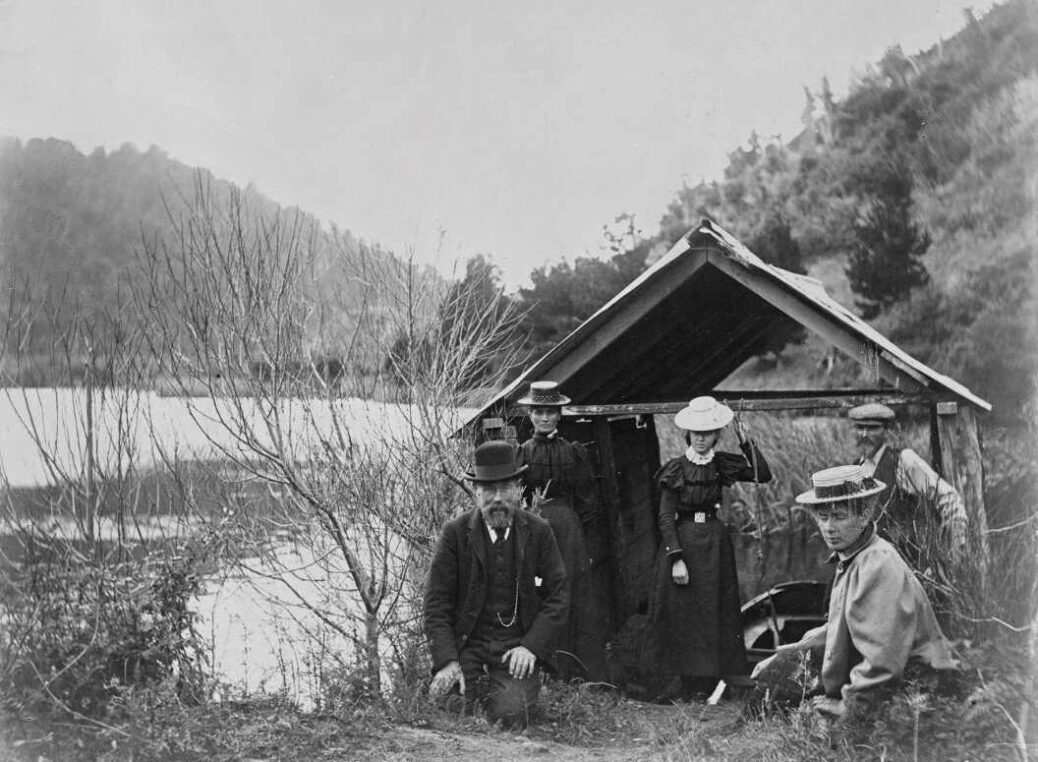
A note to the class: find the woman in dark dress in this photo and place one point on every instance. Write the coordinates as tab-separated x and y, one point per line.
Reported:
560	486
697	589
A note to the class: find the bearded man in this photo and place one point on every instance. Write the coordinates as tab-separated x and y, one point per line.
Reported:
916	504
496	596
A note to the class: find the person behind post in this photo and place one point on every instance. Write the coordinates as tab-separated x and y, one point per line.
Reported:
913	491
560	486
880	621
697	587
487	622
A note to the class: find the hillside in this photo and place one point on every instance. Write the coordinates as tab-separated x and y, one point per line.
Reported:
962	119
912	198
79	233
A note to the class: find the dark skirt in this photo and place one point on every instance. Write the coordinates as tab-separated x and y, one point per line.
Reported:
580	649
699	625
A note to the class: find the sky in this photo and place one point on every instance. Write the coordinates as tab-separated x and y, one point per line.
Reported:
447	128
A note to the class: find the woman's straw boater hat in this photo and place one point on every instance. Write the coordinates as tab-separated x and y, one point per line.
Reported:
544	394
704	414
494	461
832	485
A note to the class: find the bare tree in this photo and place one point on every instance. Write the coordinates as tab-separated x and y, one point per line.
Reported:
281	337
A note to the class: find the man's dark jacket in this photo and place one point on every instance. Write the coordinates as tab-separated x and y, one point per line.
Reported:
458	583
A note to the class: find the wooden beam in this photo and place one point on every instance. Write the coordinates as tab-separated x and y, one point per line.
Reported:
801	311
963	468
751	403
786	399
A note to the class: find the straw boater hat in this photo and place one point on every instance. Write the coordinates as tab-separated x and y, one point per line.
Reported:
544	394
494	461
871	413
839	483
704	414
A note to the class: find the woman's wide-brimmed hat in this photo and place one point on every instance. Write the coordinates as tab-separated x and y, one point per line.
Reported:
494	461
544	394
704	414
832	485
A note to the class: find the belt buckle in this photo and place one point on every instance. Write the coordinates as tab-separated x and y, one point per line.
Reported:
699	517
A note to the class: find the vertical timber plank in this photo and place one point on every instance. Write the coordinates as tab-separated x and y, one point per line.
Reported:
962	467
935	441
611	503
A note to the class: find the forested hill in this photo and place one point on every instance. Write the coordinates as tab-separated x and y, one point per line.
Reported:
73	228
912	198
74	220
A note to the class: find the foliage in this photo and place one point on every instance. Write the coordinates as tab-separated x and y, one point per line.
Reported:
775	244
564	295
72	227
985	326
78	631
886	262
476	300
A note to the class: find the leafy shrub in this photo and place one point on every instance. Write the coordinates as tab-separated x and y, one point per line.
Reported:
78	629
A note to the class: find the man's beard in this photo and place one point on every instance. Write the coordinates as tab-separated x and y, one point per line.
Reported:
498	516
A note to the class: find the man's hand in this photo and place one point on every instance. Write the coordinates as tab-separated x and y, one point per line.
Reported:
761	666
679	572
829	707
521	662
444	680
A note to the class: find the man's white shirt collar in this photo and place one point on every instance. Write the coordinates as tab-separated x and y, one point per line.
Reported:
493	532
872	462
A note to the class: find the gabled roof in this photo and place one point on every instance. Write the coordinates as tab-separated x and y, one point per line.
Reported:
697	314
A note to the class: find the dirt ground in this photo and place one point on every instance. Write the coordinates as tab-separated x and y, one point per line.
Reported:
407	744
645	732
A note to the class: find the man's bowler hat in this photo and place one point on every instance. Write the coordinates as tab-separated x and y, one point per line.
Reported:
494	461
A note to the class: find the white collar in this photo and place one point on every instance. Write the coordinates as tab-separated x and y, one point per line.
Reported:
699	460
874	458
493	532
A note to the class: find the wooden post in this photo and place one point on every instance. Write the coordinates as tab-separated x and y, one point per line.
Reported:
962	467
611	504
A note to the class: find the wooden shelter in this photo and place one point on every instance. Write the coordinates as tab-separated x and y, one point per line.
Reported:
678	331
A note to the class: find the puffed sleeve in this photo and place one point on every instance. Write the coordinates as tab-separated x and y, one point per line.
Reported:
750	466
671	479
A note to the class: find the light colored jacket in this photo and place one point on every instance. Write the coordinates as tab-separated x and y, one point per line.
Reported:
879	618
